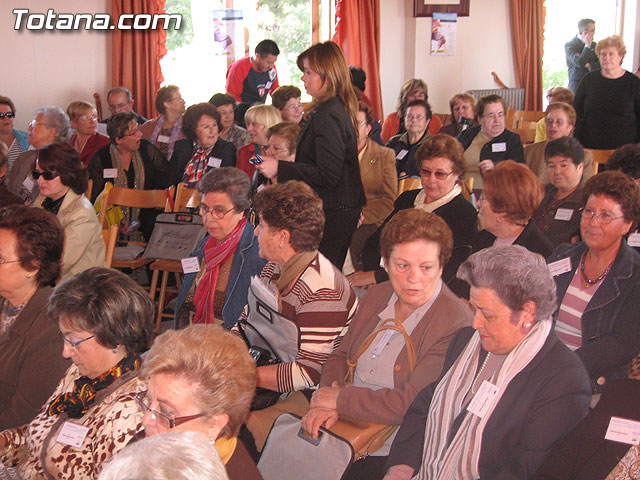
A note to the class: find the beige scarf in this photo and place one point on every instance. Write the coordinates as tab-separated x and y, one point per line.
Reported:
430	207
291	270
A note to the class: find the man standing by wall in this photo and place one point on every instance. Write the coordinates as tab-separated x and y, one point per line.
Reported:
580	53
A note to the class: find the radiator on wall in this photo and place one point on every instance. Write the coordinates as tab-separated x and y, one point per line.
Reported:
513	96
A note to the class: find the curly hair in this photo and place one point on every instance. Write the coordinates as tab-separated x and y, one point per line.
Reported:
7	101
40	240
566	108
295	207
612	41
561	94
229	180
64	160
193	115
288	131
626	159
413	225
621	188
442	145
55	118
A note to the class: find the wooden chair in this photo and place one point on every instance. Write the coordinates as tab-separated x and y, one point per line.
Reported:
110	238
185	198
467	187
408	183
87	193
516	119
600	157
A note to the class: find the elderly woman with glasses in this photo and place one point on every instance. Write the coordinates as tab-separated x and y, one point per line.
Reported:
105	321
86	139
508	391
228	255
598	280
201	379
49	125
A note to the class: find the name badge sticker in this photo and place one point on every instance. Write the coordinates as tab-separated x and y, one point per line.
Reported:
72	434
401	154
560	266
634	240
110	173
564	214
214	162
499	147
164	138
483	399
624	431
190	265
28	184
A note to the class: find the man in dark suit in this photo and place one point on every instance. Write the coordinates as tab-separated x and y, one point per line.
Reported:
581	54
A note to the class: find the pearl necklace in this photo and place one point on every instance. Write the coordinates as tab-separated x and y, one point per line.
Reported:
595	280
473	385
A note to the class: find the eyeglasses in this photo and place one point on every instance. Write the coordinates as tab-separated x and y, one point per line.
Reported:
120	106
425	172
8	115
46	175
217	212
34	124
3	261
603	218
551	121
75	344
168	421
88	117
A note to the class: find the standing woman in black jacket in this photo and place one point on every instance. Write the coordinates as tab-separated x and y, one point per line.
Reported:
327	155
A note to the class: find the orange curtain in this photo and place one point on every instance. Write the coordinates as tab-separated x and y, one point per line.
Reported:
136	54
527	35
358	33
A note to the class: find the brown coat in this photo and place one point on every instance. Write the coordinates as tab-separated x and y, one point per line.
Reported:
431	338
380	182
31	363
534	158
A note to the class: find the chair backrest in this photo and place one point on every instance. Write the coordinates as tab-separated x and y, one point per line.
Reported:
131	197
599	156
527	134
516	118
409	183
186	198
467	187
96	97
89	189
110	238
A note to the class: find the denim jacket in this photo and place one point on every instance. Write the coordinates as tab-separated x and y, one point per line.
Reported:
610	324
246	263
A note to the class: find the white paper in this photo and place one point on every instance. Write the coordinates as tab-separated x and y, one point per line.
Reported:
634	240
164	138
214	162
110	173
623	431
483	400
401	154
72	434
560	266
28	184
564	214
499	147
190	265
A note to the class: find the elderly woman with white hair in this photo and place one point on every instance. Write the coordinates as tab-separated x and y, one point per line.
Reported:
49	125
508	392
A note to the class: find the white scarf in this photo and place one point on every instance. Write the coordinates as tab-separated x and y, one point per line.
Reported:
430	207
459	459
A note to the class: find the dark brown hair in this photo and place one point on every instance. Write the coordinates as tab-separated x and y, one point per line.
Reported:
283	94
192	117
164	95
442	145
64	160
621	188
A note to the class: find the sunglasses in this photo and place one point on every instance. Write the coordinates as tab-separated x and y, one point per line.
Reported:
46	175
7	115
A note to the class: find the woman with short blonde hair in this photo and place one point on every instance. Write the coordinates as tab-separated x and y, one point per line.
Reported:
259	119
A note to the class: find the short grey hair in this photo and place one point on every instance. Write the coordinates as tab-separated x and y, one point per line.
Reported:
230	180
516	275
119	89
56	118
175	455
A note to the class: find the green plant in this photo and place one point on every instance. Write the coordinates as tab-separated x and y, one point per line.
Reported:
179	38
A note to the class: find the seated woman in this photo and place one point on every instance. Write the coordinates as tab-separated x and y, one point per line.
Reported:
86	139
62	181
286	98
559	214
30	363
463	114
308	291
415	247
225	105
405	145
539	390
259	119
203	149
49	125
490	143
166	129
379	180
394	124
555	94
201	379
599	285
129	162
228	255
440	161
281	145
15	140
106	322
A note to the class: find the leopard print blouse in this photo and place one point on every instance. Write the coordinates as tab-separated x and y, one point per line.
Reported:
112	421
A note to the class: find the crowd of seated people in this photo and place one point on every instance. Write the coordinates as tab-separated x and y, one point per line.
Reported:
521	290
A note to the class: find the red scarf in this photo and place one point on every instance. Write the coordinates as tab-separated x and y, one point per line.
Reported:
215	254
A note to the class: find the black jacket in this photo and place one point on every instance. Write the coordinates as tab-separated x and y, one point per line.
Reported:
578	54
513	145
183	151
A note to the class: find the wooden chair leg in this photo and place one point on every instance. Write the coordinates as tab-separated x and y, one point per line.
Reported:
163	292
154	284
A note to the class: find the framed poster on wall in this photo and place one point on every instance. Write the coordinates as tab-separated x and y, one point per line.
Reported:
426	8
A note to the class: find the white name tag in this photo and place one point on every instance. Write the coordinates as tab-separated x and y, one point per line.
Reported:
634	240
483	399
499	147
401	154
110	173
190	265
563	214
560	266
214	162
72	434
623	431
164	138
28	183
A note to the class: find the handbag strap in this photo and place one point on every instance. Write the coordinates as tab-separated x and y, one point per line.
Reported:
390	324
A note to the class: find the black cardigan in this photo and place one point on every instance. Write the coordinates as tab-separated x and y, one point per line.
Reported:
183	151
513	145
